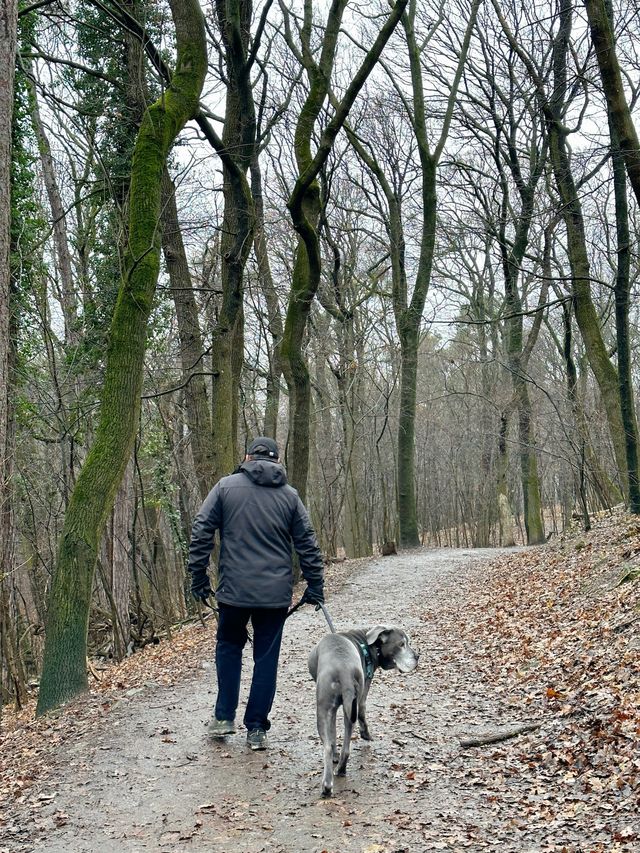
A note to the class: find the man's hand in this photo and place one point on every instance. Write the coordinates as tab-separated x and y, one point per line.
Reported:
313	595
201	587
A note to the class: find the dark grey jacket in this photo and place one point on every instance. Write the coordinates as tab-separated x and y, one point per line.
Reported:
259	516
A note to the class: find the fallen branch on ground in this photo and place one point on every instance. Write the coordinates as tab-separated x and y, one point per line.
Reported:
496	737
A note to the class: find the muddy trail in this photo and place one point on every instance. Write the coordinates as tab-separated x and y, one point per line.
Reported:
148	778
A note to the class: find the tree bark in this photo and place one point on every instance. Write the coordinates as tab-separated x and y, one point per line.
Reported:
64	670
272	403
620	121
8	35
191	349
239	140
67	291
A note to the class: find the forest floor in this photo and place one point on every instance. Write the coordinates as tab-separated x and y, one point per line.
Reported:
547	636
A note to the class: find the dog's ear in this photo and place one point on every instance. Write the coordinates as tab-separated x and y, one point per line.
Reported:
374	633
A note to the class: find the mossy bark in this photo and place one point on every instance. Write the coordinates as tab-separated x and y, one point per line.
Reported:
8	35
553	107
64	667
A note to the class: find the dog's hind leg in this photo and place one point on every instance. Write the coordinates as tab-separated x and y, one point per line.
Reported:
350	709
327	732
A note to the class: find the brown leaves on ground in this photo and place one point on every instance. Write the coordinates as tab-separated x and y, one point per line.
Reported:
555	630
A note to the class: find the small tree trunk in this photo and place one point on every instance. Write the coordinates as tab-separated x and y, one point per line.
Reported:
272	403
191	349
239	140
505	513
67	291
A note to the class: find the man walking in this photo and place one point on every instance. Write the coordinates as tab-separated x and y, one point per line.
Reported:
259	517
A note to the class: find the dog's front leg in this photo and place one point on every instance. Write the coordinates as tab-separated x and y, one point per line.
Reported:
365	734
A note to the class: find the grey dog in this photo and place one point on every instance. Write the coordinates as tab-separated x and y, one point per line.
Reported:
343	665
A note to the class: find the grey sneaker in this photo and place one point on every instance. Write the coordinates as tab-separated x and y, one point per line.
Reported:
257	739
221	728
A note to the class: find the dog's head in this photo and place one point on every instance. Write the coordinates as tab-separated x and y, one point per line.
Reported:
394	651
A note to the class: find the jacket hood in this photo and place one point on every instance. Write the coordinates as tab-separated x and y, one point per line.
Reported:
263	472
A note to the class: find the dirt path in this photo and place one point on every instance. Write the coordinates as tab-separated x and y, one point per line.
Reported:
149	779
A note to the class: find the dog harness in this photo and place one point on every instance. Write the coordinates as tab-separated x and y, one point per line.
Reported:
368	661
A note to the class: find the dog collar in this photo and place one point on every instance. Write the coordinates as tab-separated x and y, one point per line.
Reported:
368	661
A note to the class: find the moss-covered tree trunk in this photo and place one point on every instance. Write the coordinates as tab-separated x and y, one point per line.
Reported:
64	668
622	298
586	316
408	312
517	361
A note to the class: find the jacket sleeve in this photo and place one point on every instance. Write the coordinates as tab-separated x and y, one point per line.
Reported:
205	524
306	545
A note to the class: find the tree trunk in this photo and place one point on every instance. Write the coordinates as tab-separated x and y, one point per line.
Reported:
604	371
64	670
622	295
119	568
272	403
505	513
191	349
239	140
66	289
8	30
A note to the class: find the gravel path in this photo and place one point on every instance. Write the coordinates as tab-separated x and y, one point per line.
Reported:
148	779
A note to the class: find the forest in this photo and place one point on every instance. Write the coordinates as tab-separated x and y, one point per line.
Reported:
399	237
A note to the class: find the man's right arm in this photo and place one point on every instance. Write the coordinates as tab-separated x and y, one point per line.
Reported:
205	524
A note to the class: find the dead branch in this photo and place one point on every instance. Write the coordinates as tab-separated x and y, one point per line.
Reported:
485	738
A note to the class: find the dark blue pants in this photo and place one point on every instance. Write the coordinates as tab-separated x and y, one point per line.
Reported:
267	626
